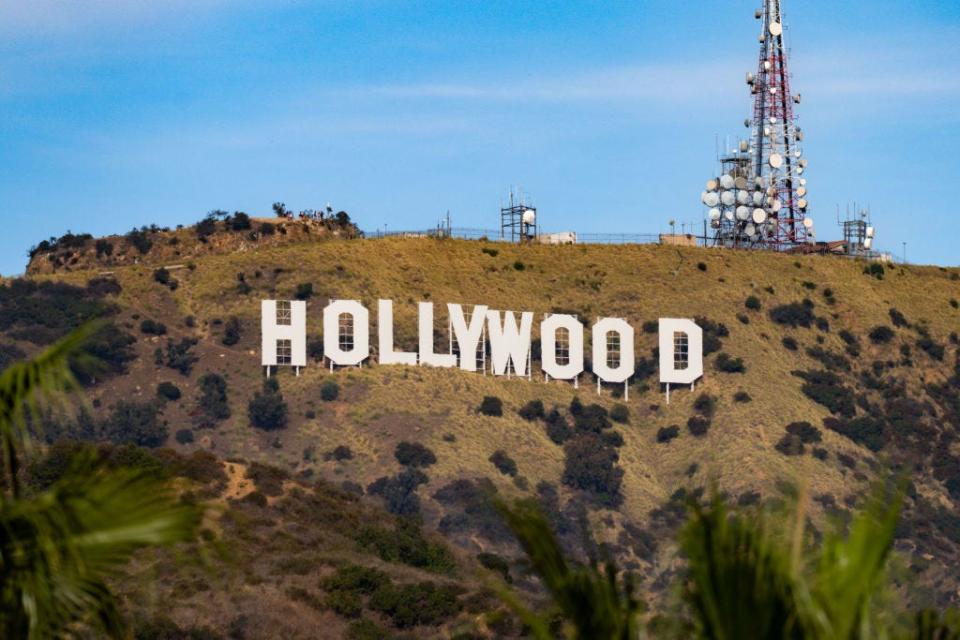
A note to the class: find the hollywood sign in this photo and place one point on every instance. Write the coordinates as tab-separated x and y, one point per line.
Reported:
346	342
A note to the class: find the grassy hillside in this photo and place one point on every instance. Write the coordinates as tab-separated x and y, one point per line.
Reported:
873	404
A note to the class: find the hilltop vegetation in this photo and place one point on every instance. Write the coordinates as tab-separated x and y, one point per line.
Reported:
819	377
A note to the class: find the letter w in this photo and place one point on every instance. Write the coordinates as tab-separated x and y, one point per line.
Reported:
508	342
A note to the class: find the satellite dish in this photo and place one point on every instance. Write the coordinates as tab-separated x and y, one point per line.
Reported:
740	182
529	216
776	28
771	191
743	213
797	153
776	160
712	185
796	99
744	145
759	216
757	14
801	191
766	64
868	243
802	203
743	197
746	123
714	214
800	171
726	181
870	232
808	223
758	198
775	206
799	136
715	224
803	162
759	181
763	37
728	214
767	131
773	120
727	198
711	199
803	181
750	230
750	78
773	89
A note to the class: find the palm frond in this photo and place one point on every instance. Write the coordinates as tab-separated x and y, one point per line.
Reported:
67	540
739	584
593	600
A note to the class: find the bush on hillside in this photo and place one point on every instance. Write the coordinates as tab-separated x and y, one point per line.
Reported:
135	423
503	462
795	314
881	334
790	445
532	410
898	319
267	409
412	605
558	429
414	454
752	303
212	402
329	391
179	356
742	397
184	436
805	431
790	344
620	413
162	276
590	465
705	404
240	221
491	406
875	270
399	492
304	291
698	425
728	364
153	328
168	391
826	388
666	434
140	240
232	331
339	454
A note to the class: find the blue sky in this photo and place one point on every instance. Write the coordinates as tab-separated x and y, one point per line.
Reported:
119	113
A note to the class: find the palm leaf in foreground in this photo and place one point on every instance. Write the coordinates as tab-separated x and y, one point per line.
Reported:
593	601
58	547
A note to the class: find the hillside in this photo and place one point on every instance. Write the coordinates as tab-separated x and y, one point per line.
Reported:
873	400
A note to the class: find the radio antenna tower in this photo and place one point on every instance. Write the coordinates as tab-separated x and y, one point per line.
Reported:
760	198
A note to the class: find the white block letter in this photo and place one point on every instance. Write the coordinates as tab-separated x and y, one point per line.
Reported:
427	355
288	328
385	331
359	334
548	341
508	342
681	351
468	338
624	368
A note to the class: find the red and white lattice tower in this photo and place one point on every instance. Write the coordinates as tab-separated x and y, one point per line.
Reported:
760	198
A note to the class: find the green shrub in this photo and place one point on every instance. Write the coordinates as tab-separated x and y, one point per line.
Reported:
339	454
240	221
365	630
266	478
406	543
954	303
414	454
790	445
140	240
267	409
153	328
329	391
232	331
315	348
698	425
493	253
790	343
491	406
344	603
304	291
875	270
519	266
728	364
184	436
179	357
742	397
666	434
590	465
805	431
408	606
497	564
168	391
826	388
898	319
135	423
620	413
881	334
558	429
705	404
532	410
212	402
399	492
702	266
503	462
795	314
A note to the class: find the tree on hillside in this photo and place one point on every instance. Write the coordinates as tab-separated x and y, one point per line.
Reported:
58	545
267	409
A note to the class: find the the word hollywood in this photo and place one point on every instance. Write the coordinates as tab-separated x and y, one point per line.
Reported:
346	341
